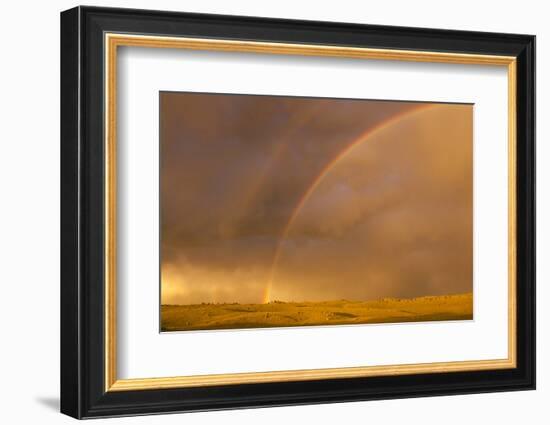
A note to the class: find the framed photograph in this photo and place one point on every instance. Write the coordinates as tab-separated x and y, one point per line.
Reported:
261	212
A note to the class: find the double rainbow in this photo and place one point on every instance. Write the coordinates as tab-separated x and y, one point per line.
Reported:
363	137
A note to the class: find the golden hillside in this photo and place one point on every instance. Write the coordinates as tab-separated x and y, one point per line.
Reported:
342	312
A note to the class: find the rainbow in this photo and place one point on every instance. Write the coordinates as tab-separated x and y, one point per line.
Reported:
349	147
298	122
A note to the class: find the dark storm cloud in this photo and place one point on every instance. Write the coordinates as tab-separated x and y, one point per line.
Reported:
234	168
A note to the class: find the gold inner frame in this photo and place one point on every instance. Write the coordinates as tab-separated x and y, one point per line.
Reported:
113	41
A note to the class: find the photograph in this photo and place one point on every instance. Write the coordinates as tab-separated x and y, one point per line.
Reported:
283	210
279	211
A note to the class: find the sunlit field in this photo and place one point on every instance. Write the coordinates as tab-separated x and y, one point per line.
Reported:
341	312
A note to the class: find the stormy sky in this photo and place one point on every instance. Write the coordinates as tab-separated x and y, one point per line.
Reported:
286	198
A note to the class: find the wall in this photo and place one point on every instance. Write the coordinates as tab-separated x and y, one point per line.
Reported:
29	225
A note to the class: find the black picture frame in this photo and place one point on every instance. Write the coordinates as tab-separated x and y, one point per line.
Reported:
83	392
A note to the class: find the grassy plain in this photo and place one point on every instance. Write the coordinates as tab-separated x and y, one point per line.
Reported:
341	312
